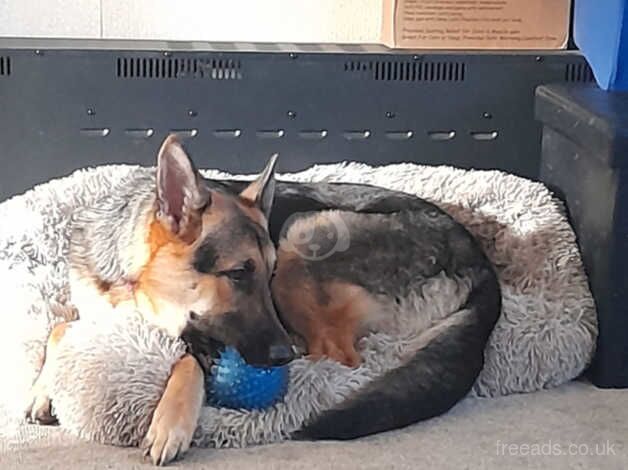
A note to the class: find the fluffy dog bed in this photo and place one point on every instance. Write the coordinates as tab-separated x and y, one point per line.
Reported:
112	369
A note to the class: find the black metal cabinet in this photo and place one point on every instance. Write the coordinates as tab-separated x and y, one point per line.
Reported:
70	104
585	161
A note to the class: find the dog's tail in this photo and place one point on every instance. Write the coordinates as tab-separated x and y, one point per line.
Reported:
429	384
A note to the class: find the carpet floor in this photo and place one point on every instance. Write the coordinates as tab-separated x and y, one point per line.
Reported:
571	427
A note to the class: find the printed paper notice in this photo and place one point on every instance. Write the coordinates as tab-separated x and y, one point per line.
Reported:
468	24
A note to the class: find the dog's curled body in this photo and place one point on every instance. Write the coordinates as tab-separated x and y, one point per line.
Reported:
389	262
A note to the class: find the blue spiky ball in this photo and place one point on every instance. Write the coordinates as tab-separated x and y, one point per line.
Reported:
235	384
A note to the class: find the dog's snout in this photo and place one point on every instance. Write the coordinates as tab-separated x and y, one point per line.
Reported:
280	354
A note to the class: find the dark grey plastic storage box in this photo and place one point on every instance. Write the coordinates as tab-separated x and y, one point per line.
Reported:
585	160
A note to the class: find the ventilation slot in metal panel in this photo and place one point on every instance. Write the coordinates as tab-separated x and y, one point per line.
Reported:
580	73
5	66
171	68
406	71
358	66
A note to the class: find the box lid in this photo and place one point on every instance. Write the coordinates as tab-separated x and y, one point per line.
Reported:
592	118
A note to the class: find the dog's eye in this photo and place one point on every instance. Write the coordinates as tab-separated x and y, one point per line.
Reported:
241	273
236	274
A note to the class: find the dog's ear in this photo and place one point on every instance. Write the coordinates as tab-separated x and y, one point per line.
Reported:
181	194
261	192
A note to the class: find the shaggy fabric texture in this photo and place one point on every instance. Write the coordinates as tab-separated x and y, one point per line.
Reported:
113	369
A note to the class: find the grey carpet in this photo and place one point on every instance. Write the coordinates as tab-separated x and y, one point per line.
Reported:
469	437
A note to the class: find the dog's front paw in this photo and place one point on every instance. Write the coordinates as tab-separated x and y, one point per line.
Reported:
39	409
169	437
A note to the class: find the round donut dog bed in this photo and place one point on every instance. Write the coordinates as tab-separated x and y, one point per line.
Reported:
112	370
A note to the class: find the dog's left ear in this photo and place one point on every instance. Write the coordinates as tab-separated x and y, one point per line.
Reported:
181	194
261	192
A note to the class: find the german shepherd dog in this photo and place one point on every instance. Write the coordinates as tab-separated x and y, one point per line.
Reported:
207	261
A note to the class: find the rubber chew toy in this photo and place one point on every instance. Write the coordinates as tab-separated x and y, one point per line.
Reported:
235	384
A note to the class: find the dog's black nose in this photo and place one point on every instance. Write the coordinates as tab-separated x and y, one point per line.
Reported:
280	354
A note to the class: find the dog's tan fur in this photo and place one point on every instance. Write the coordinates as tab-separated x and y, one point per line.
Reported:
176	415
41	401
328	316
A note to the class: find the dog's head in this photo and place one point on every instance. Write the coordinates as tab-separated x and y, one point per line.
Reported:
211	261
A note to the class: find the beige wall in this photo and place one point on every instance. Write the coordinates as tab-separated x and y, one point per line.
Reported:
341	21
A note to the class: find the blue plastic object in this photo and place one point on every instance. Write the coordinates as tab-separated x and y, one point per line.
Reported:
235	384
601	34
